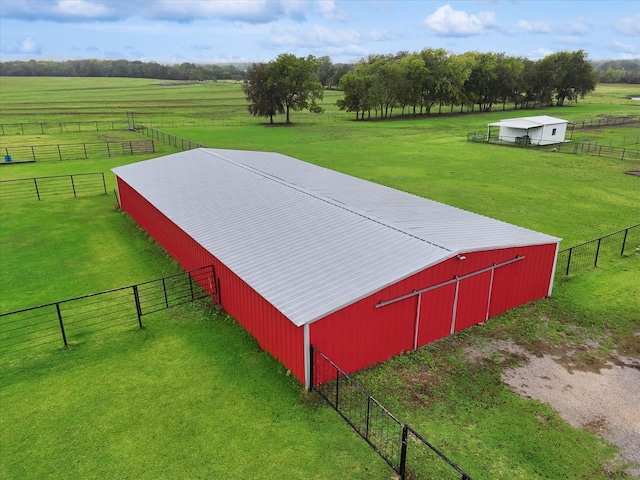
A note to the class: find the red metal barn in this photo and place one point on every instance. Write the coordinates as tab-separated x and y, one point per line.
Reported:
305	255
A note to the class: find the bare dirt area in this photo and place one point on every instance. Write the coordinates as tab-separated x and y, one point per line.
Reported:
602	397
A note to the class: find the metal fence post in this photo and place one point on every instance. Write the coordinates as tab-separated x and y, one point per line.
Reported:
104	184
403	453
311	368
64	336
595	261
191	286
569	260
368	415
73	186
624	241
136	296
164	288
337	386
35	182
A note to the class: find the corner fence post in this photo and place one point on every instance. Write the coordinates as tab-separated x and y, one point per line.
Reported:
337	387
403	453
311	368
64	335
595	261
136	296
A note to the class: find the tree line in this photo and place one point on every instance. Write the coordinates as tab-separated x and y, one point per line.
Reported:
618	71
122	68
417	82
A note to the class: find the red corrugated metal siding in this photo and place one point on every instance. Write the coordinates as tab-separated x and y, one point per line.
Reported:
436	309
273	331
361	335
524	281
473	295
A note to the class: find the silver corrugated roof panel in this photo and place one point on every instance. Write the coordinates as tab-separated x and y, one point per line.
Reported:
309	240
528	122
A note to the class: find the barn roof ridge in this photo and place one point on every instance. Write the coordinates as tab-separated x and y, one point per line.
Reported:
329	200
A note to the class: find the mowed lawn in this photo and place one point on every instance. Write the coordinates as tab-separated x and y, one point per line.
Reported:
192	395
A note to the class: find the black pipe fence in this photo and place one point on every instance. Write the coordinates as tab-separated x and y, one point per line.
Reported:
586	255
43	128
75	151
164	137
73	319
407	452
59	186
600	150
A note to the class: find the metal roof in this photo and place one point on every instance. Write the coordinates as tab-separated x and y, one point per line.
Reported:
526	123
308	239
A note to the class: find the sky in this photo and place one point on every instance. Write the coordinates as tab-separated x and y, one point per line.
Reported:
240	31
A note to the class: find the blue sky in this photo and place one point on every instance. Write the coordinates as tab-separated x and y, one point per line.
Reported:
221	31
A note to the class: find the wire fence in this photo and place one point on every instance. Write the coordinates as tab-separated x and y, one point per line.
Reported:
43	128
58	186
616	141
607	121
589	148
586	255
407	452
75	151
73	319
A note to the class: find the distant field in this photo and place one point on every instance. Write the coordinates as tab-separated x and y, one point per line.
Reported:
192	396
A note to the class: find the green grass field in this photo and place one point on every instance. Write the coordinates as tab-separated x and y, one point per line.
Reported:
192	396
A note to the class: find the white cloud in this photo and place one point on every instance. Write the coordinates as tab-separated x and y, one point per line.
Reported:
571	40
328	10
27	46
200	46
448	22
314	36
629	26
624	47
539	53
534	27
80	11
579	27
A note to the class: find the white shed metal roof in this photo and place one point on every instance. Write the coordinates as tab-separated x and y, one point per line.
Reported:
308	239
526	123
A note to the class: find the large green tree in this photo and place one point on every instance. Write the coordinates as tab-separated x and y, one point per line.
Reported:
262	92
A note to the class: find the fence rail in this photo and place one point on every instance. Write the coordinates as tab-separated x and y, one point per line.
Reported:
406	451
76	151
172	140
75	185
43	128
73	319
586	255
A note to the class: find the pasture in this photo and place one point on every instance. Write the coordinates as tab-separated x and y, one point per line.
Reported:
191	395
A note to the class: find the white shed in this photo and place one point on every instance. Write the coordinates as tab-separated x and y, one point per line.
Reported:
540	130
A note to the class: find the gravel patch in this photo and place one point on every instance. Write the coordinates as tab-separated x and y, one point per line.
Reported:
606	402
